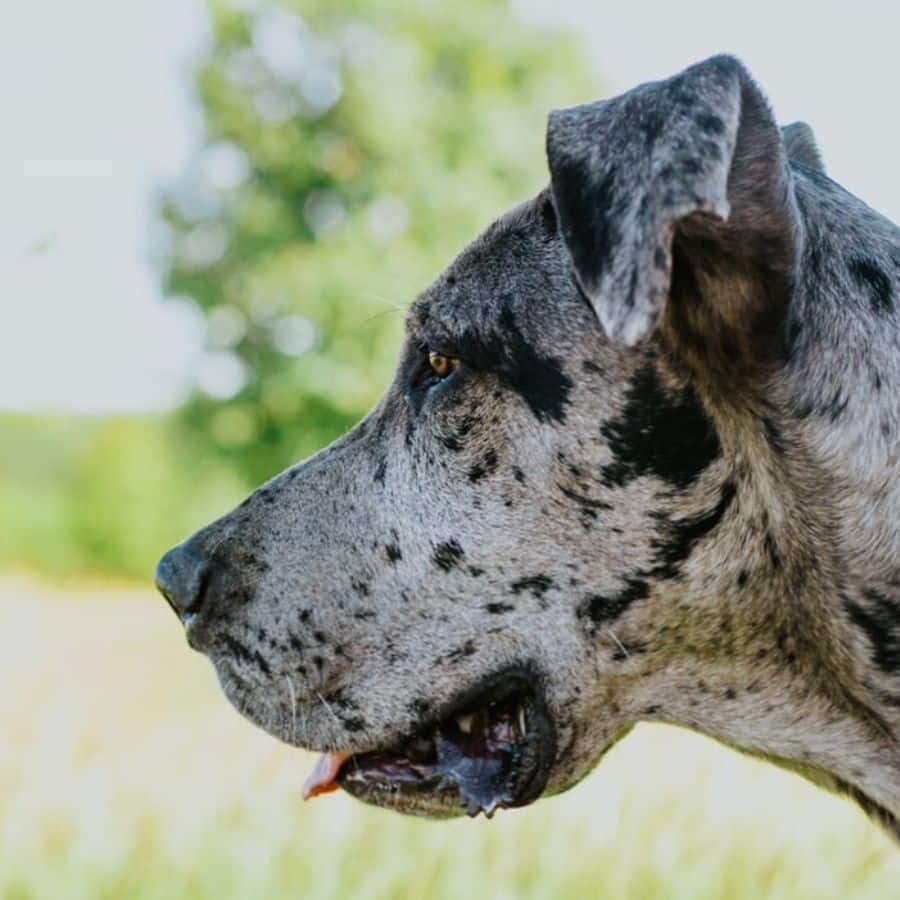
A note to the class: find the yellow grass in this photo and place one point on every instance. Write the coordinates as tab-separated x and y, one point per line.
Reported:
123	773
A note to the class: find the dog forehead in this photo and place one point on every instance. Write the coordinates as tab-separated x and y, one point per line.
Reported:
518	266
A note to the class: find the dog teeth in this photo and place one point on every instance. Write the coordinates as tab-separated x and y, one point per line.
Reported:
522	724
465	723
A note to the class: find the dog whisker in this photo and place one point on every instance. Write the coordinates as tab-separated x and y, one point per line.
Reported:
619	644
293	695
331	712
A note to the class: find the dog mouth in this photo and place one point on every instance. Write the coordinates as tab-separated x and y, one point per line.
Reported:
492	749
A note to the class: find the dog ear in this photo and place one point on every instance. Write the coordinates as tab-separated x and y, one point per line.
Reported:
800	144
642	180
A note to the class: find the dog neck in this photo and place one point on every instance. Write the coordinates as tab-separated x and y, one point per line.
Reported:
768	659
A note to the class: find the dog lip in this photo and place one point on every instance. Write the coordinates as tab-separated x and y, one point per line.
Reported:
505	762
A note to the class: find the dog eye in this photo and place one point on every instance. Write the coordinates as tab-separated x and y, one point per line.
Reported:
432	369
441	365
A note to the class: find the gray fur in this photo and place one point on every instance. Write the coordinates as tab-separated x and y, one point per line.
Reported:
690	515
801	146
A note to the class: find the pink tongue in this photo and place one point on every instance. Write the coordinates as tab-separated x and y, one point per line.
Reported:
322	778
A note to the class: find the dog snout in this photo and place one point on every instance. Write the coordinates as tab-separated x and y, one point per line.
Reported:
182	576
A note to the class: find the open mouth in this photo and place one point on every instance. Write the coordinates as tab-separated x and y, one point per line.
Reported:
493	748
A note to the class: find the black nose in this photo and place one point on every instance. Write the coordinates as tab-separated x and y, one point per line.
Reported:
181	577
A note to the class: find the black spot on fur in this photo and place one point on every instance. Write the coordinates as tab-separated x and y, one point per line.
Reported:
380	470
836	406
582	500
467	649
539	380
867	275
681	537
242	654
880	620
537	585
652	124
476	571
684	534
487	466
447	555
711	124
771	548
466	424
393	553
498	608
602	610
659	433
451	442
354	723
786	645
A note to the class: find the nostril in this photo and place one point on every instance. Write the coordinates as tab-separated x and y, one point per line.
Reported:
167	596
182	577
202	587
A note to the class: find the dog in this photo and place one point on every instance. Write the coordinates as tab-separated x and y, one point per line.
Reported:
639	461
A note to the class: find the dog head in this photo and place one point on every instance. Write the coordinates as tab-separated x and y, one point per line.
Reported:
551	525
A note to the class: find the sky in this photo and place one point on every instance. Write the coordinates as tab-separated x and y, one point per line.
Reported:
98	116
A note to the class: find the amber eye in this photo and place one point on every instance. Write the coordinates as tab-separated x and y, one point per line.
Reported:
441	365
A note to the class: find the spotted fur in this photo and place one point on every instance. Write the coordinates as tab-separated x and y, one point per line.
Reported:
665	475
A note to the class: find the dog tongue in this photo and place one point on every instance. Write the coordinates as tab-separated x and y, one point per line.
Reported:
322	779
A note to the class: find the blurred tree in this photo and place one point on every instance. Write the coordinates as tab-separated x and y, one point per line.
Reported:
101	495
350	150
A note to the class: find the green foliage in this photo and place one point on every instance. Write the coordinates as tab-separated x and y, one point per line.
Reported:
101	495
350	150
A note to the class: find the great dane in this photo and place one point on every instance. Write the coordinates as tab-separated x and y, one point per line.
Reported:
639	461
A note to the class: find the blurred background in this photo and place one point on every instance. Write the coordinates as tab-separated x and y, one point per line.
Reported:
214	215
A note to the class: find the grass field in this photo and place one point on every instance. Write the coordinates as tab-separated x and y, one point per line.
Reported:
124	774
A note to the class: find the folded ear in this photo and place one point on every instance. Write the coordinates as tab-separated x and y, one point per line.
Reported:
697	156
